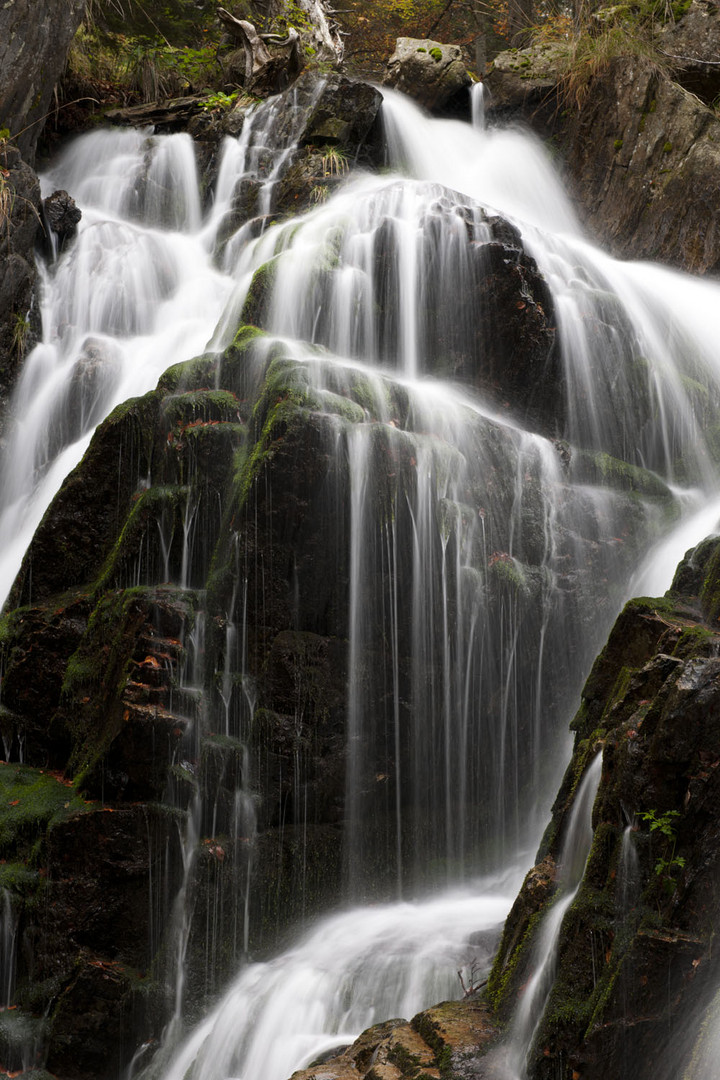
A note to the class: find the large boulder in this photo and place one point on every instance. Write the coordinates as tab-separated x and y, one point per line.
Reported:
428	71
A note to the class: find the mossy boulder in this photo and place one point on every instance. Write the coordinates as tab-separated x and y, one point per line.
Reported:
429	71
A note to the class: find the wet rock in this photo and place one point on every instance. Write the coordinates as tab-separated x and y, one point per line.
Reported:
61	215
428	71
645	904
95	374
98	1006
346	115
447	1040
82	525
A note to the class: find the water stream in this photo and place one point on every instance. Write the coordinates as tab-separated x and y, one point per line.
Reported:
557	531
573	857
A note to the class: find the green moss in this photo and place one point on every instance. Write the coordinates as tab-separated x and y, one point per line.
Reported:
190	375
151	507
508	572
618	692
710	592
241	366
436	54
257	301
618	144
695	641
31	801
603	469
667	148
192	406
407	1063
17	878
98	671
505	971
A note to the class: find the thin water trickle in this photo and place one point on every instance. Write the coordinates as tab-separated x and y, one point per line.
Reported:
573	857
478	94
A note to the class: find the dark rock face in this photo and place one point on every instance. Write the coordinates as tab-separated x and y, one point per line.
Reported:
428	71
33	45
104	659
19	220
648	898
61	216
641	153
109	706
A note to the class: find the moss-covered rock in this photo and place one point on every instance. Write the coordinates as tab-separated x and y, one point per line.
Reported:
635	955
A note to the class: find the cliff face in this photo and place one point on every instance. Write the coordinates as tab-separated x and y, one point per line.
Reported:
20	221
636	963
641	150
34	40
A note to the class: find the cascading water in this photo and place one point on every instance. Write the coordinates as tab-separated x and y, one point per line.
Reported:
484	559
573	856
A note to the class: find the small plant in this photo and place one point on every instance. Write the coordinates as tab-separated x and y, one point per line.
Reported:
21	329
220	101
334	162
621	33
669	864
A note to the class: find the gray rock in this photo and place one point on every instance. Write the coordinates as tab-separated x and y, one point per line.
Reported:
34	41
20	223
428	71
61	215
693	47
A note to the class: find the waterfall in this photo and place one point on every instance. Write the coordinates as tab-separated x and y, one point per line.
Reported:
487	533
356	969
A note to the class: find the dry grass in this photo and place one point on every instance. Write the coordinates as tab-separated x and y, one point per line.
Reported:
588	53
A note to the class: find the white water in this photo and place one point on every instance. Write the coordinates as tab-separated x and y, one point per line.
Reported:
357	969
141	284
